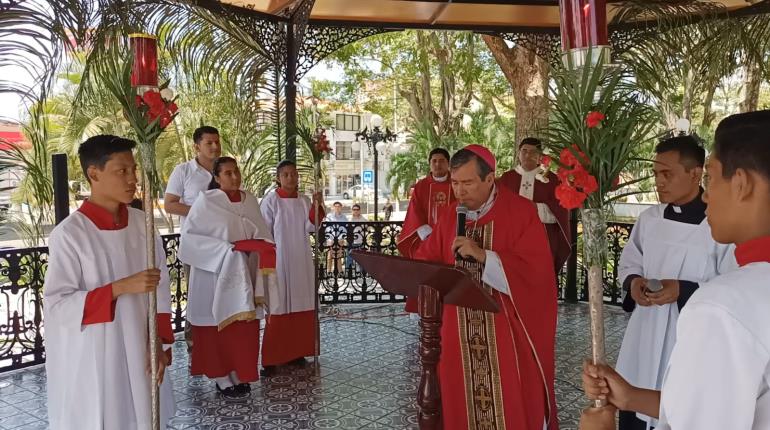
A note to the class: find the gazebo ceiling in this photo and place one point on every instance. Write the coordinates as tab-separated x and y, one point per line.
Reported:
515	15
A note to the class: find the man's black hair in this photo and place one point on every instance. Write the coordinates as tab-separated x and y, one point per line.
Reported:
531	141
337	203
356	206
217	168
438	151
691	152
742	141
97	150
464	156
200	131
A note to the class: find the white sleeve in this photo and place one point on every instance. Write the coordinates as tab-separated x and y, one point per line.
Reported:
494	274
268	212
545	214
201	250
424	231
309	226
631	259
175	184
715	372
64	295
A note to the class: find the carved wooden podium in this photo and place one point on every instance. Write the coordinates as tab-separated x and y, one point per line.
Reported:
433	284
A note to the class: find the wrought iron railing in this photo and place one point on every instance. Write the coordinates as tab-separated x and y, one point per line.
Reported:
341	281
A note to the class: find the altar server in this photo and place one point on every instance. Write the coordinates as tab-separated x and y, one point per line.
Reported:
96	303
290	332
230	250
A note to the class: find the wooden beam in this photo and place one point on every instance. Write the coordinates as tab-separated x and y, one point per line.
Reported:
277	7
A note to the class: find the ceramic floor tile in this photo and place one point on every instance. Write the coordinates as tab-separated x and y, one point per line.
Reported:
366	378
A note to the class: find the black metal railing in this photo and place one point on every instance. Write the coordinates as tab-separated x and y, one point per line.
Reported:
22	272
341	279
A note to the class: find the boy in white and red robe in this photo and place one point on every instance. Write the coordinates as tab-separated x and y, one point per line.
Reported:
718	374
96	303
290	333
496	370
231	253
430	196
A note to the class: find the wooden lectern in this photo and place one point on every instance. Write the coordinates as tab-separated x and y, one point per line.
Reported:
433	284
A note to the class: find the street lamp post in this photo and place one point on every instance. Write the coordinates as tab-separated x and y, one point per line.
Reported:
376	140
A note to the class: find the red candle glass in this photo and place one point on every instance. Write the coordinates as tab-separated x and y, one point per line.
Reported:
144	71
583	23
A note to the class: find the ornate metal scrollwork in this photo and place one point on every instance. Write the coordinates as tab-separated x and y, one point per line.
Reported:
21	307
321	41
546	45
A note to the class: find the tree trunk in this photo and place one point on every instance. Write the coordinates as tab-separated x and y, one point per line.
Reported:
708	114
446	117
752	81
528	75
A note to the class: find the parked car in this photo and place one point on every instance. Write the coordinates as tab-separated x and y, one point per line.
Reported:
357	191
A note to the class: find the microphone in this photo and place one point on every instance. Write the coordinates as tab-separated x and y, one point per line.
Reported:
462	213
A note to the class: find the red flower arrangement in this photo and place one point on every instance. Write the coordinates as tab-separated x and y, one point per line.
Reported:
576	182
322	143
545	161
155	107
594	119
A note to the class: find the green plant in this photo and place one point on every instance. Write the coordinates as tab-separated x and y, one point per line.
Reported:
600	120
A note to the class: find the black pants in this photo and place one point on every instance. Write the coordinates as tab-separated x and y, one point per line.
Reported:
627	420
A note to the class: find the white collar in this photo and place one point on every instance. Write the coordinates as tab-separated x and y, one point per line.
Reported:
441	179
520	170
474	215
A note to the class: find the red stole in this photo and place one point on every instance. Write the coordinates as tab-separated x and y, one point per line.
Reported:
559	234
497	370
429	198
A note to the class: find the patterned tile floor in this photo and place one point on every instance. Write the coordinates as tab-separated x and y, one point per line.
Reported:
366	379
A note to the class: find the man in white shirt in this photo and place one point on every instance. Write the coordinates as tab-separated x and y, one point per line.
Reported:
358	235
189	179
337	215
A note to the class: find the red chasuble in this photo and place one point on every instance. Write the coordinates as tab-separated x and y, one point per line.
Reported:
497	370
429	198
559	234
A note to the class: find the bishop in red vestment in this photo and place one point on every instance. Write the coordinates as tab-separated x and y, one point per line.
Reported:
530	180
430	196
496	370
